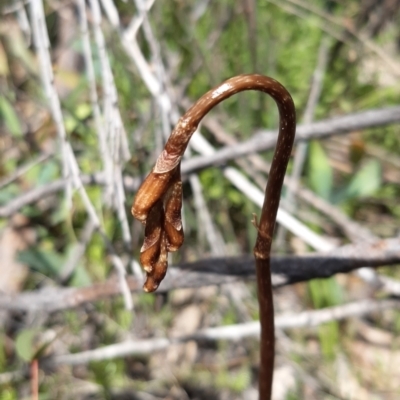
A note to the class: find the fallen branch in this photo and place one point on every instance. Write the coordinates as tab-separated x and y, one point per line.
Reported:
217	271
265	140
231	332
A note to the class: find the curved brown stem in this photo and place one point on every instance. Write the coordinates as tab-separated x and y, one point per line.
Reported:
159	200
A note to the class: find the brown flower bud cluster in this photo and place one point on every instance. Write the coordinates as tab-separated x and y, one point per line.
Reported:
158	205
159	200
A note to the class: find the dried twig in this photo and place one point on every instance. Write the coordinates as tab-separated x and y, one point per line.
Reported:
42	45
232	332
71	172
24	169
217	271
265	140
77	251
301	149
113	141
38	193
337	29
352	229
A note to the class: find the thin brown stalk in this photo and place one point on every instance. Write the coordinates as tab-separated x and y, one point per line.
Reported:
35	379
159	200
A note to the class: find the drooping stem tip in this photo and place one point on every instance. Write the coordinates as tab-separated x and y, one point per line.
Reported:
159	200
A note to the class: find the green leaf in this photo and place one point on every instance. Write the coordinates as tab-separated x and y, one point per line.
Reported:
80	277
325	292
83	111
24	344
10	117
48	172
366	181
320	172
329	338
3	354
47	262
8	193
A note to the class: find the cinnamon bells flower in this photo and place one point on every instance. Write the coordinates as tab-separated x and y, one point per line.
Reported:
158	205
158	202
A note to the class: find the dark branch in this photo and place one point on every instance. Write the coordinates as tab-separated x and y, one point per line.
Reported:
217	271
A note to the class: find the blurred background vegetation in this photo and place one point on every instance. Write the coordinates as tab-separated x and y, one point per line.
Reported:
348	51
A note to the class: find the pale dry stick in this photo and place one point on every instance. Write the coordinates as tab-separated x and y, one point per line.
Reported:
160	75
251	191
18	375
168	113
77	251
159	200
263	140
301	149
36	194
23	22
355	231
128	40
369	44
198	10
116	146
116	131
217	271
205	224
283	217
111	11
116	260
98	118
12	7
136	22
130	45
211	40
113	141
171	114
254	193
24	168
340	36
70	166
42	44
237	332
367	274
352	229
292	224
